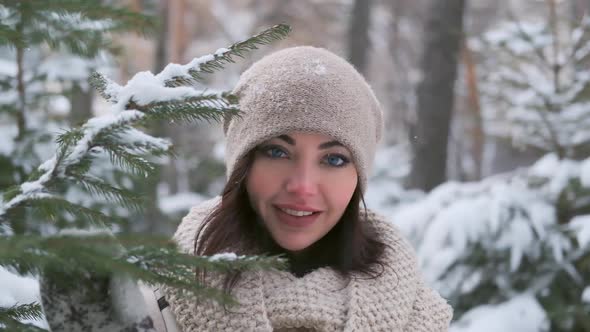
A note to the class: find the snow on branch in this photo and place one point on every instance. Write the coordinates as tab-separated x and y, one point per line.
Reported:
535	99
175	75
207	64
145	97
512	220
150	99
28	311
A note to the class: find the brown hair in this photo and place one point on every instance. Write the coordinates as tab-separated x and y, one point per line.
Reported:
350	246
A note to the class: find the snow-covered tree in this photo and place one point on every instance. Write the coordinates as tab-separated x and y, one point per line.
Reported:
50	49
45	231
518	242
512	252
514	242
536	84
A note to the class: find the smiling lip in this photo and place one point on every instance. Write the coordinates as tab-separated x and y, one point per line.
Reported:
297	207
294	221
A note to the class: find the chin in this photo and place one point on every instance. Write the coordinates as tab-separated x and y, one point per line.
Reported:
292	246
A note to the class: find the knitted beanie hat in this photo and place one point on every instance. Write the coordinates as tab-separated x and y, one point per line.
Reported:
305	89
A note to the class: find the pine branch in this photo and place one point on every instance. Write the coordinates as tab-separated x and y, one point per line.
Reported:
30	311
11	325
82	167
139	149
175	75
122	18
16	326
209	107
70	137
83	43
96	186
528	39
167	256
135	141
209	64
77	145
104	86
67	252
76	25
10	37
84	141
11	193
137	165
19	200
54	207
152	260
581	45
24	255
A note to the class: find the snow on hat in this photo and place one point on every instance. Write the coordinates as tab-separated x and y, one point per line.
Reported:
305	89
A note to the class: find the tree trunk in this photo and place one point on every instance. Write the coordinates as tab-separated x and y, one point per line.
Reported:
399	86
81	102
176	30
579	9
154	219
161	38
358	34
20	86
477	136
435	93
176	35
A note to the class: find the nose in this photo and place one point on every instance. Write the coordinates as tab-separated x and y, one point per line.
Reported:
303	180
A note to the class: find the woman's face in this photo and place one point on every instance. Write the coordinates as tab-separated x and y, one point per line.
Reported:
300	184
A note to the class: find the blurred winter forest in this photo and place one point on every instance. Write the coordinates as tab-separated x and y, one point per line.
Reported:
485	161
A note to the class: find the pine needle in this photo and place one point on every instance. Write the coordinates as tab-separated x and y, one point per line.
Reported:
29	311
238	49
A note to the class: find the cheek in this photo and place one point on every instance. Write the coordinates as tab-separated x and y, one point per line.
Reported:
339	189
261	183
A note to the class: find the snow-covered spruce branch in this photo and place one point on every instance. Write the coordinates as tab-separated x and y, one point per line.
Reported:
70	164
153	260
580	46
12	316
210	63
540	111
176	75
145	98
551	112
526	37
80	27
509	44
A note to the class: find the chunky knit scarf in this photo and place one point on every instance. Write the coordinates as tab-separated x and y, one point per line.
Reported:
322	300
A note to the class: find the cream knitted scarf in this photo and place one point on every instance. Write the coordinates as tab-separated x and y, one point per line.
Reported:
322	300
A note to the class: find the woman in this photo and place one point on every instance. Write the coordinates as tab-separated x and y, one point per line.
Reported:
297	161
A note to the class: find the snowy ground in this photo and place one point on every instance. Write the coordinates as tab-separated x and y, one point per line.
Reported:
522	314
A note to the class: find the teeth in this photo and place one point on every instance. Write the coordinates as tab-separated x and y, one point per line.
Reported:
297	213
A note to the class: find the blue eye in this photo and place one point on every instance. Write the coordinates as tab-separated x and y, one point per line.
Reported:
336	160
274	152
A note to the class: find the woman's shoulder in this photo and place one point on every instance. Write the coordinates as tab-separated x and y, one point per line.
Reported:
187	230
399	253
430	312
390	234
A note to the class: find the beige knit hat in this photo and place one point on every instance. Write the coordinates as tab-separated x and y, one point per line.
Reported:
305	89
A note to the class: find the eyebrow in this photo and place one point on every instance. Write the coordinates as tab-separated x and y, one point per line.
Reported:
289	140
